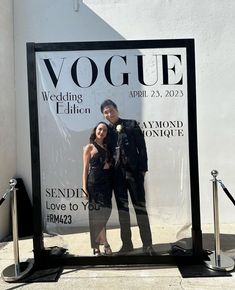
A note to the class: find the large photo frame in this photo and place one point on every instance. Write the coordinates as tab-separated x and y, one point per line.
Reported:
151	82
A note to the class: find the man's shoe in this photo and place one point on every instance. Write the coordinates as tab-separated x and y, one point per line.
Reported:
125	249
149	251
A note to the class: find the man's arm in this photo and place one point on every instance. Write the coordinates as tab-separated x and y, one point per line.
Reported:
141	147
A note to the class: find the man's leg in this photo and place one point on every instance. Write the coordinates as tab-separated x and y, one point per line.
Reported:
137	192
121	196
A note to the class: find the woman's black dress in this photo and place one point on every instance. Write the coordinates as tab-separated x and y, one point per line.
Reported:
100	193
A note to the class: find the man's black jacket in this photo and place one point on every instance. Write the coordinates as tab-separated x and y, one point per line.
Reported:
128	137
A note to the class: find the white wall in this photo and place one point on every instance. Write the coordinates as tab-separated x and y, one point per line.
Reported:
7	111
210	23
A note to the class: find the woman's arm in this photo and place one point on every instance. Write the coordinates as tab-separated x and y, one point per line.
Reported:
86	158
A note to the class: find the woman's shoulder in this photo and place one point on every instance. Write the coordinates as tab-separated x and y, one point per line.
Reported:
88	148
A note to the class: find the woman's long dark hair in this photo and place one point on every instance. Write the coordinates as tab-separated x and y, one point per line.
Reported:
93	134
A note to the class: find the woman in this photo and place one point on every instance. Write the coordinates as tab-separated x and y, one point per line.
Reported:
97	186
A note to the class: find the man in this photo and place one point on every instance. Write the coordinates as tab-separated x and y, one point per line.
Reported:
129	152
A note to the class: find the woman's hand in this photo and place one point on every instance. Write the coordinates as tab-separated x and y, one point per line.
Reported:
85	194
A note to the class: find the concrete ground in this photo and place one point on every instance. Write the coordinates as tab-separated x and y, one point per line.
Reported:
123	277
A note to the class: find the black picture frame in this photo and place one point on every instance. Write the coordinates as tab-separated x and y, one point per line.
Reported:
39	250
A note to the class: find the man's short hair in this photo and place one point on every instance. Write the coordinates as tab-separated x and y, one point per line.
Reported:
107	103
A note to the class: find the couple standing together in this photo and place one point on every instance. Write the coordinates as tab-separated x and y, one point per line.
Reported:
115	160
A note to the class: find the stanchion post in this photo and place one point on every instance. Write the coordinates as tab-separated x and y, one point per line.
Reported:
18	270
217	261
15	226
214	173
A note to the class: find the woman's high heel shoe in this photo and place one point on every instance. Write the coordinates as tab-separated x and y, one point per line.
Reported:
107	250
96	252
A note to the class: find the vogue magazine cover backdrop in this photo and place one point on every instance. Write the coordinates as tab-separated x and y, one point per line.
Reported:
148	85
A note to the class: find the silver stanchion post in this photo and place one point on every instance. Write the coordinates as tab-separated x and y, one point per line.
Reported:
217	261
18	270
15	226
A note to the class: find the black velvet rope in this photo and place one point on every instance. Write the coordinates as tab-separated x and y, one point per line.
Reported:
4	197
2	200
227	192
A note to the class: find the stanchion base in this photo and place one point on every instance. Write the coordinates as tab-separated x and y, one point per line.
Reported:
226	263
9	275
